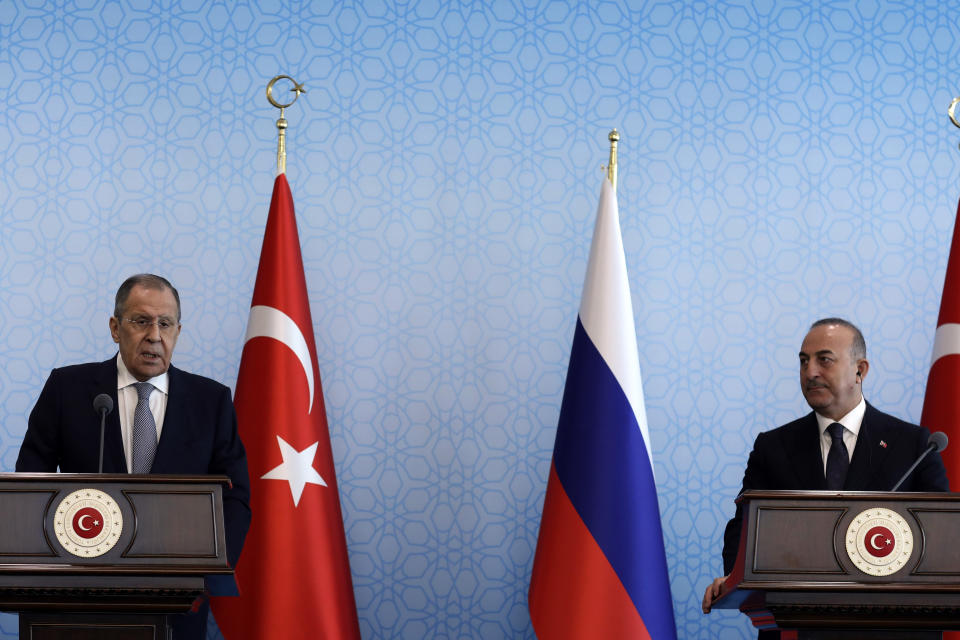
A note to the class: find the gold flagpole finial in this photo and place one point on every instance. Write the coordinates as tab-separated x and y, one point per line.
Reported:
951	111
282	122
614	138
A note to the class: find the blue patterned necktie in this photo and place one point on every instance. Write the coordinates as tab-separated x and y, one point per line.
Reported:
838	460
144	430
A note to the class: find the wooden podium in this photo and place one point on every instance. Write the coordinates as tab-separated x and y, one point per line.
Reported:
104	556
848	564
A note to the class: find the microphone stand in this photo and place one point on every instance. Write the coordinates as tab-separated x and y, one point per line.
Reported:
103	421
930	447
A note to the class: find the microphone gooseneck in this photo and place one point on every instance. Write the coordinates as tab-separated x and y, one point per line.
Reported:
937	442
102	404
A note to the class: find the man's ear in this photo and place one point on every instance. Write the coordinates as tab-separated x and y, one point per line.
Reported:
862	367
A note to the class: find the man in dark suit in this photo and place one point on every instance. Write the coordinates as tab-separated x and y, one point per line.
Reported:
167	420
844	444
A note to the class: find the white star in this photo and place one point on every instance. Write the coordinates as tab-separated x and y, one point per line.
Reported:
297	469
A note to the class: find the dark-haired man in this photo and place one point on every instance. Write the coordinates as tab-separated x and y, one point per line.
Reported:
167	421
844	444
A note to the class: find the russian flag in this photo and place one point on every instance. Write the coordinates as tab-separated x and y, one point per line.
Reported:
600	570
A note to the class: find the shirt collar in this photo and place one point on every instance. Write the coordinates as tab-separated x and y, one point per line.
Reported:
851	422
125	378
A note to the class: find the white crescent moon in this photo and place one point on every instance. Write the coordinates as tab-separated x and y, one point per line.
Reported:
873	541
946	341
80	522
268	322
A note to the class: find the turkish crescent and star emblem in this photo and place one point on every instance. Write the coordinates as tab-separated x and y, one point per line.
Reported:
88	523
297	466
879	541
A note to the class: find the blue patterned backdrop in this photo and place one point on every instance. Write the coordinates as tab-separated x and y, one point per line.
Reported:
780	161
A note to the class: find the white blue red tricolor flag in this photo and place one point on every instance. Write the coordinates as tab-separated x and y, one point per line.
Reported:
600	569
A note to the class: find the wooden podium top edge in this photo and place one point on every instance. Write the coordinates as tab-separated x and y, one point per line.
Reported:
897	496
101	478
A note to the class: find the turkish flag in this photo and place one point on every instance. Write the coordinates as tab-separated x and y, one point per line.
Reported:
941	403
294	574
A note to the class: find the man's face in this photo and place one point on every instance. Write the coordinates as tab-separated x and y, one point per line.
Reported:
828	371
146	351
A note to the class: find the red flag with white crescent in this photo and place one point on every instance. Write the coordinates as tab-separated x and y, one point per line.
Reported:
941	402
294	574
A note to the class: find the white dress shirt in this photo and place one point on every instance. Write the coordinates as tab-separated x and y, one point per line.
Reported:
127	404
851	429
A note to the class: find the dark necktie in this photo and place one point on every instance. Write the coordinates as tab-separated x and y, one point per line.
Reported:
838	460
144	430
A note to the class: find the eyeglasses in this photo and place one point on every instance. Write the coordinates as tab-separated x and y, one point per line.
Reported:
165	325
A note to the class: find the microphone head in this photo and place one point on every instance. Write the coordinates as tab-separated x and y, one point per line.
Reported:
103	403
939	440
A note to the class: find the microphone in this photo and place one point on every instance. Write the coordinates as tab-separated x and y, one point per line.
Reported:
937	442
103	404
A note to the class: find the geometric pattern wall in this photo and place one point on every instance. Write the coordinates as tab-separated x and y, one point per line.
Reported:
779	162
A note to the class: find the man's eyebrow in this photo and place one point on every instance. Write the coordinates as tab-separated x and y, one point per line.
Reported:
822	352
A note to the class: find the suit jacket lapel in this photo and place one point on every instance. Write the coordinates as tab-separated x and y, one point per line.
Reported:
175	429
105	381
809	459
868	456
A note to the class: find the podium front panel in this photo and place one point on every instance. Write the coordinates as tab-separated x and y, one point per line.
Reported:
856	562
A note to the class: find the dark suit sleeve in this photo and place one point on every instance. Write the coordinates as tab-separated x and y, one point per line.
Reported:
229	458
40	450
731	540
755	477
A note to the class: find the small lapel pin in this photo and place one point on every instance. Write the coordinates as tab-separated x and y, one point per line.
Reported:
883	444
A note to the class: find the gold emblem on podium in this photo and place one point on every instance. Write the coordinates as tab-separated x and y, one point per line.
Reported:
88	523
879	542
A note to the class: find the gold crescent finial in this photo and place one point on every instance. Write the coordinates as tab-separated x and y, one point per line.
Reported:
282	122
297	90
951	111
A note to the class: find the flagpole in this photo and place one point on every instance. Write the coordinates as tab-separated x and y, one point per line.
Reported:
282	122
294	574
941	407
602	461
614	138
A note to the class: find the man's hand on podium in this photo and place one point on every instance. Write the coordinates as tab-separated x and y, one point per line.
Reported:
714	591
